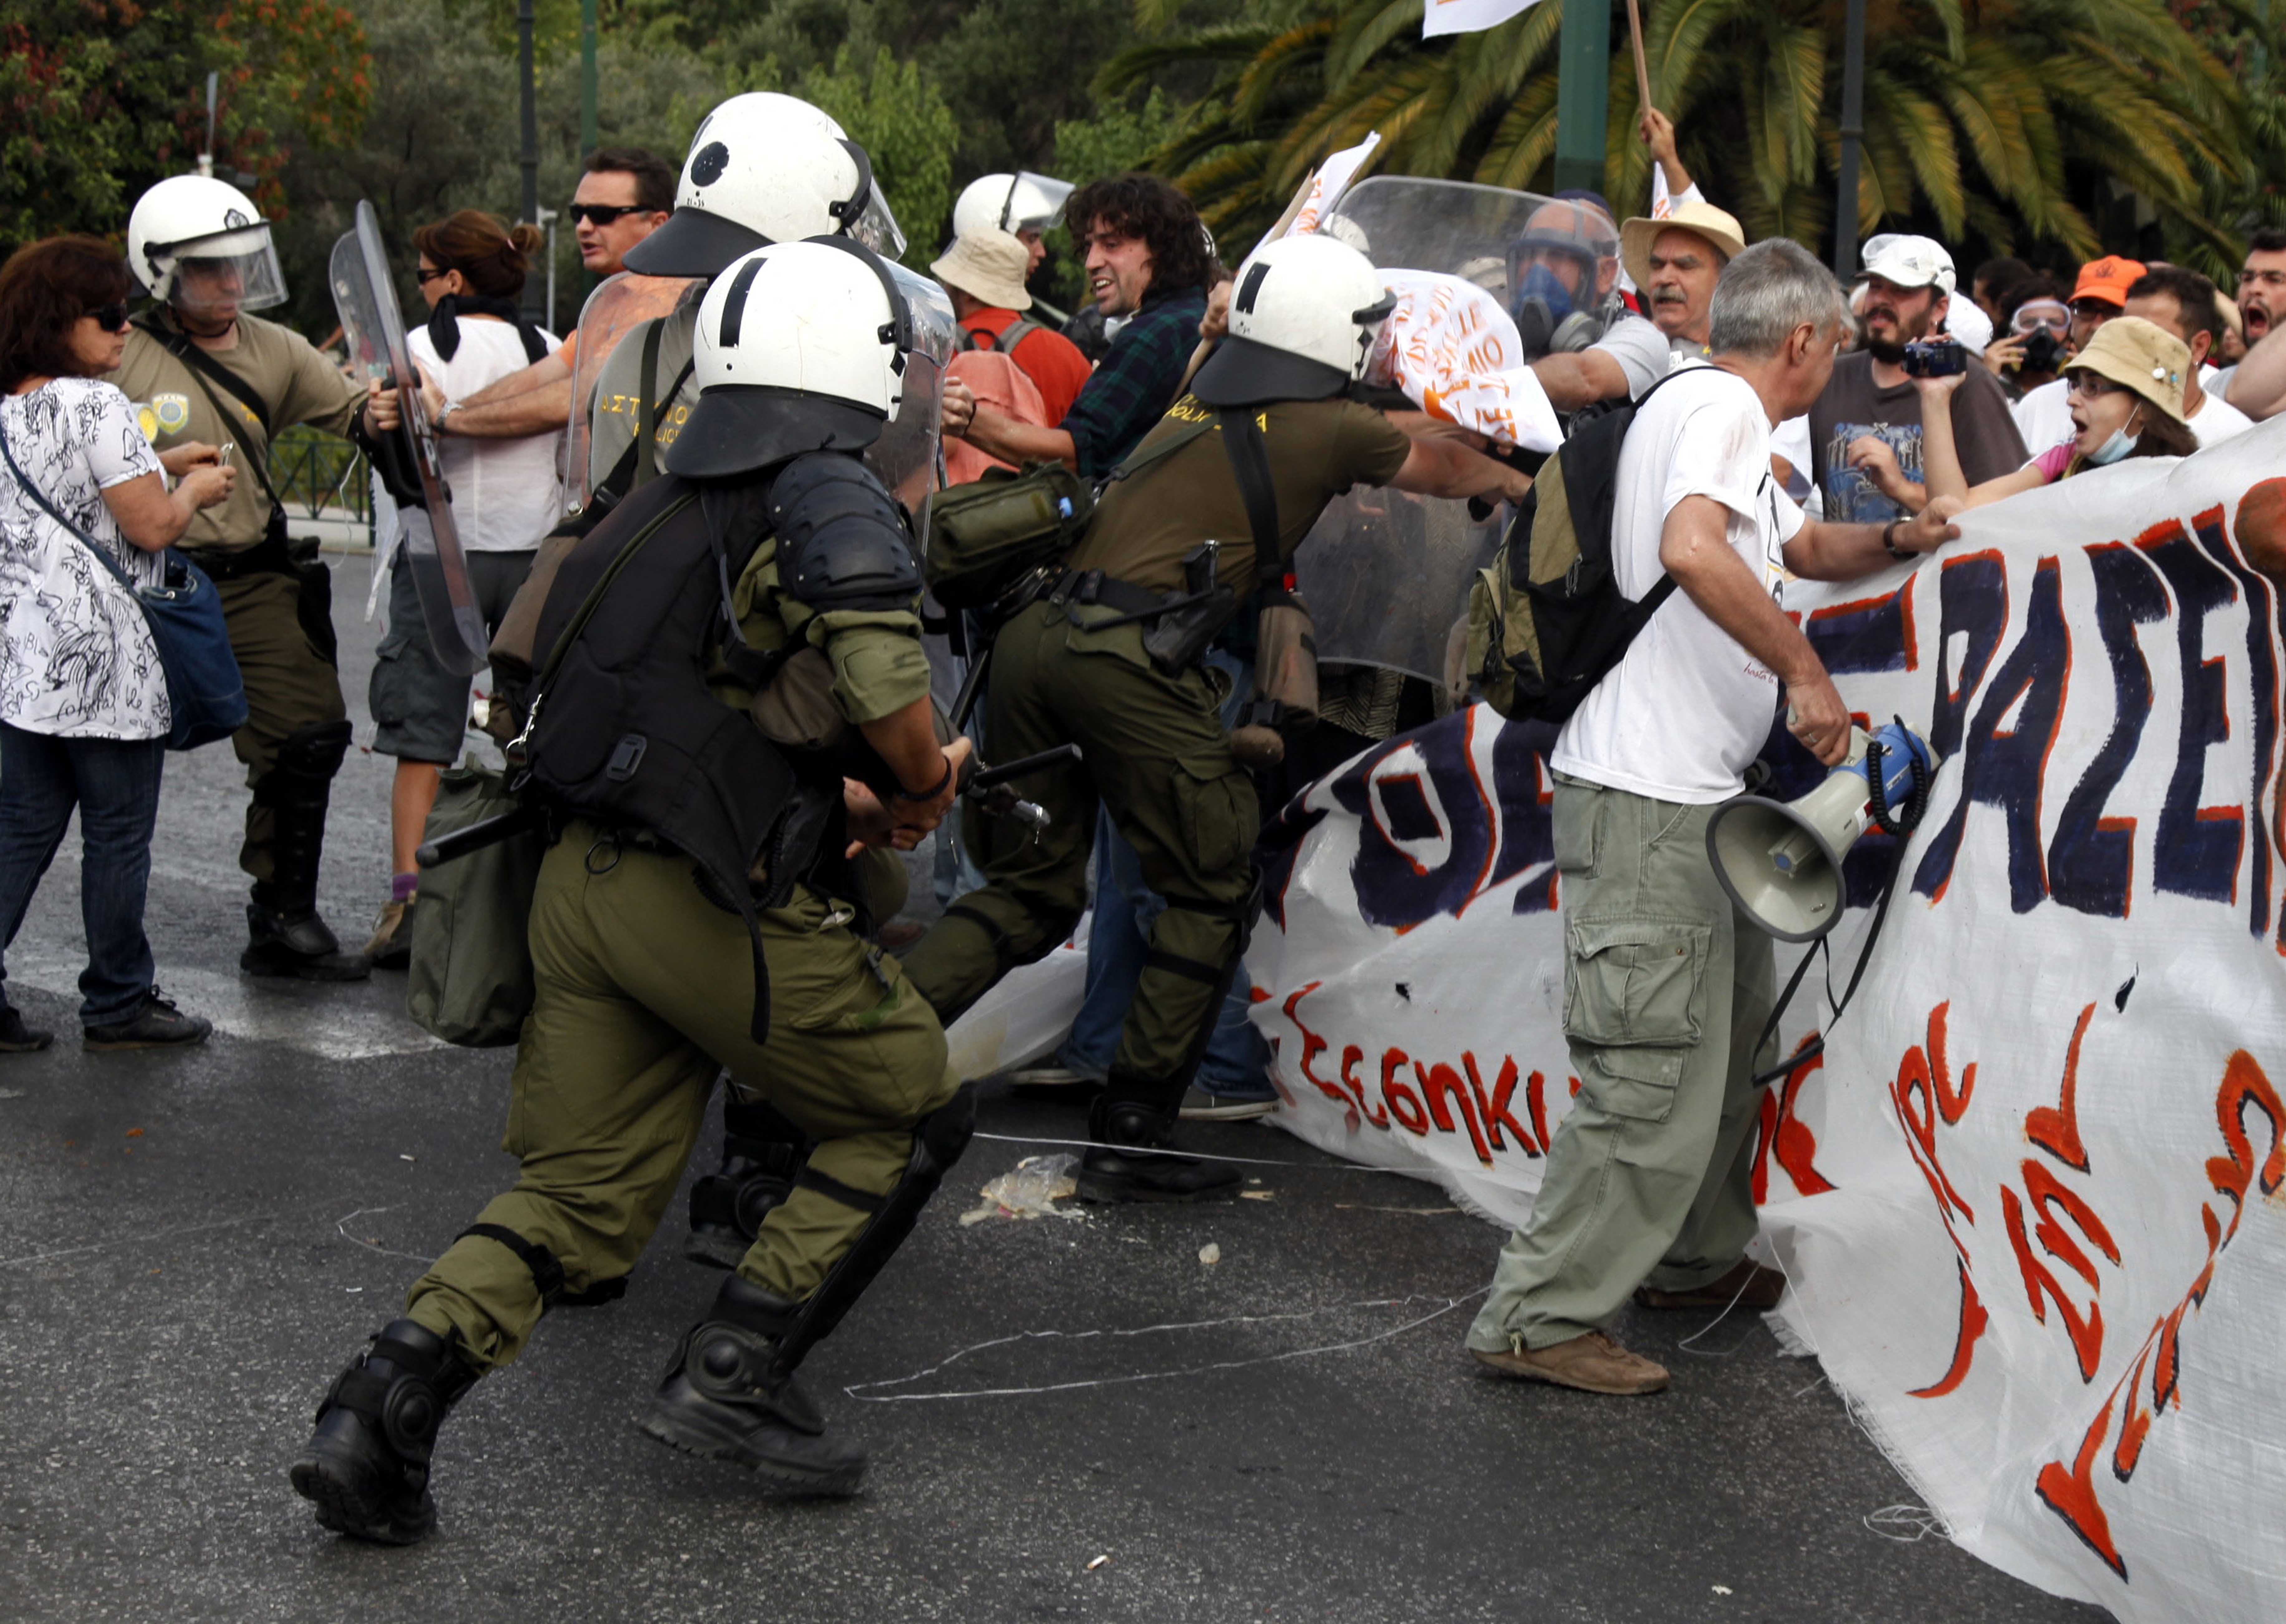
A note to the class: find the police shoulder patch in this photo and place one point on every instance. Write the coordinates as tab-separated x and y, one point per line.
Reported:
843	542
172	412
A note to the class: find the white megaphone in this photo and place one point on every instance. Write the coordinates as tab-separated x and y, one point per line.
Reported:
1781	860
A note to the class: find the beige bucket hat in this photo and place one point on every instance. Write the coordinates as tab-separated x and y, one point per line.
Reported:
2137	355
986	264
1703	219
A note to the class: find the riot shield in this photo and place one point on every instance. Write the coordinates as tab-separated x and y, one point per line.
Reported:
905	457
1386	573
620	303
366	299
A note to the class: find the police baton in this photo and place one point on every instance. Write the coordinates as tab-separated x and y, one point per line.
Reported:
988	786
477	837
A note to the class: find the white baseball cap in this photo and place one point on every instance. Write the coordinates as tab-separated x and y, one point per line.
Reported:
1971	326
1907	261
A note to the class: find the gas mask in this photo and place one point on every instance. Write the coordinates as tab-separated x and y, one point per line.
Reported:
1547	320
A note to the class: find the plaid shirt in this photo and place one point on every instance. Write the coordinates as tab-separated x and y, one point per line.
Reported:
1137	380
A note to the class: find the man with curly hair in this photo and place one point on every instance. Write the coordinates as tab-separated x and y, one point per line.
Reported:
1149	260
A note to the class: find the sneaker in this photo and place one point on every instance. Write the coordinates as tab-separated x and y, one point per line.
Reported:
1749	1285
18	1038
391	946
158	1024
1202	1105
1592	1363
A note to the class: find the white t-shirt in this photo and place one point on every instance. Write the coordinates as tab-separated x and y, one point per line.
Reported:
1644	354
2216	419
506	494
2216	380
1686	708
76	658
2044	417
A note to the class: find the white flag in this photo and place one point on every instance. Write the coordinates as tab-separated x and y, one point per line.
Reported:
1468	16
1332	179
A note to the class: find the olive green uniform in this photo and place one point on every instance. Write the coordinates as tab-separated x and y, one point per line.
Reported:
621	386
645	989
280	612
1156	754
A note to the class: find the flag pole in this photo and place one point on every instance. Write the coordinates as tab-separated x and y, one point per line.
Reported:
1642	69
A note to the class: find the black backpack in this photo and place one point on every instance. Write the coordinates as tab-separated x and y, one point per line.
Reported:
1547	619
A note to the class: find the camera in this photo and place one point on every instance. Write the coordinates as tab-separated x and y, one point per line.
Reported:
1936	358
2044	352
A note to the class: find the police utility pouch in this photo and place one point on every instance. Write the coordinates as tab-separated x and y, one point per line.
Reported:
1285	698
1178	638
471	979
1547	618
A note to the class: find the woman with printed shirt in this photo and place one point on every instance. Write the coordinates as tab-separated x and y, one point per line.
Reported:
83	711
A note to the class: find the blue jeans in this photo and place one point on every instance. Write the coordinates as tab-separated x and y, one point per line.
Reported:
114	783
1237	1059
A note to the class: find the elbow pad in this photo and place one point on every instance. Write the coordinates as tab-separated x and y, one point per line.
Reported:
842	539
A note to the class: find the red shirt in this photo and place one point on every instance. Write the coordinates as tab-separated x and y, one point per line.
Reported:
1048	358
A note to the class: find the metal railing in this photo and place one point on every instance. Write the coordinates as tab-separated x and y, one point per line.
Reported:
321	475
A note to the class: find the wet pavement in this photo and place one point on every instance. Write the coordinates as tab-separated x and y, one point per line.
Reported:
1069	1418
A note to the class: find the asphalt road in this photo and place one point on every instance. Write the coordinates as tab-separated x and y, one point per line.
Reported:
1069	1418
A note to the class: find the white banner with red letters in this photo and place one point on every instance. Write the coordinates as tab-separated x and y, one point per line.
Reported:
2032	1198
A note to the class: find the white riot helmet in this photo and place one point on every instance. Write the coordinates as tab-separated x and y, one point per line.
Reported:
1303	318
200	245
801	347
764	169
1019	202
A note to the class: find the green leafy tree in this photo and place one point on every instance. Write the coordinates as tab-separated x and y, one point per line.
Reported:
1998	121
893	110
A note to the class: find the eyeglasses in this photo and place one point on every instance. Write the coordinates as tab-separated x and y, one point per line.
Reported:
111	318
2252	278
602	213
2088	386
426	277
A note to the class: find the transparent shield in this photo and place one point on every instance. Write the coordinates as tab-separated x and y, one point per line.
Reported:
1386	576
619	304
1551	263
1034	201
905	457
219	277
367	303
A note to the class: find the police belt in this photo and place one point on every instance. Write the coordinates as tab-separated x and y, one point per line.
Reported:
1079	588
271	555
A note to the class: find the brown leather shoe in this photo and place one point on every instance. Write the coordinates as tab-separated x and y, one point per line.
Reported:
1749	1285
1593	1363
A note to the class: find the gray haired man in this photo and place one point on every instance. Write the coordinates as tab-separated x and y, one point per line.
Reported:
1665	984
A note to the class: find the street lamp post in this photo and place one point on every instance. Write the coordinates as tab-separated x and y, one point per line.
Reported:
1583	94
530	158
1853	132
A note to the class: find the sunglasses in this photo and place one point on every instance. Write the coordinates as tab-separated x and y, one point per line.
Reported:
426	277
2102	308
111	318
602	213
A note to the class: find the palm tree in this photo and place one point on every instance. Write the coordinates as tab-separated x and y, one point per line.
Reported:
1983	118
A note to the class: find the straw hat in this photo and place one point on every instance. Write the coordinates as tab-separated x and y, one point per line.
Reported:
1701	219
986	264
2137	355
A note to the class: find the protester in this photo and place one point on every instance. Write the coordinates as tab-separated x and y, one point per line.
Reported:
1992	283
506	496
1674	263
2182	302
2038	326
2256	386
214	373
2043	415
1864	428
1649	1181
984	272
84	717
626	194
1075	667
1147	260
2126	391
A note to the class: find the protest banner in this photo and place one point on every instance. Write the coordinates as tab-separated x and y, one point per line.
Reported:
2032	1195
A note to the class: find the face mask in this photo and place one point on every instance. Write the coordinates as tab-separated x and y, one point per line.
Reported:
2112	449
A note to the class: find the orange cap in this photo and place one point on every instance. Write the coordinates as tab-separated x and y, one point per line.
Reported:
2107	278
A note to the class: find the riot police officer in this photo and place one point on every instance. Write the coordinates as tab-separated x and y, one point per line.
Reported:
202	368
695	910
1204	513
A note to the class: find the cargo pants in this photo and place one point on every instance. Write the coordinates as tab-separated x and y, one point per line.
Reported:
1667	987
644	990
291	686
1158	760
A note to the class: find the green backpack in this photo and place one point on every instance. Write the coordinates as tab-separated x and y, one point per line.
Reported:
1547	619
471	979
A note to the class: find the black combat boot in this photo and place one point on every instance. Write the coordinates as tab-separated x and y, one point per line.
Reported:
367	1467
762	1154
728	1399
1129	1160
286	936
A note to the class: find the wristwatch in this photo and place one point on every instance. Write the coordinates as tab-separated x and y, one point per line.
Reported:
444	412
1888	540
